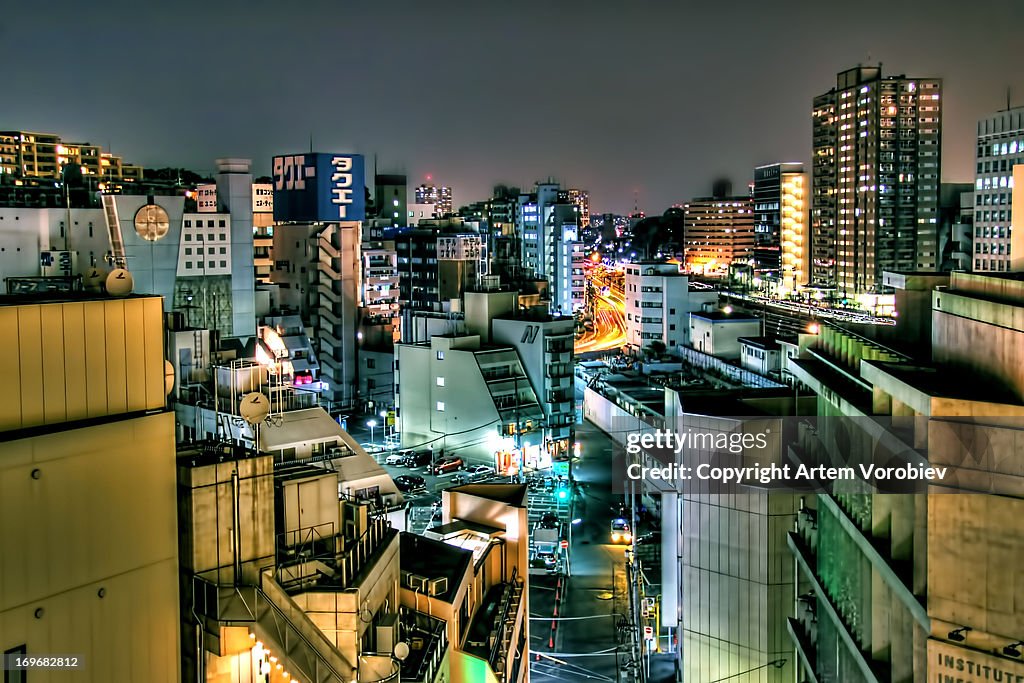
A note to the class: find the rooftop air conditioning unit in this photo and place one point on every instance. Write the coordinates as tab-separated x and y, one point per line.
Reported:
438	586
414	581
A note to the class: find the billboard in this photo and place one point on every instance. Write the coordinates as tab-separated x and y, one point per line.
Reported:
319	188
262	198
459	248
206	198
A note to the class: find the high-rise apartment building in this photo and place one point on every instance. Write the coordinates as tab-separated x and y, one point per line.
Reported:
876	168
548	226
781	194
581	200
439	196
1000	158
718	233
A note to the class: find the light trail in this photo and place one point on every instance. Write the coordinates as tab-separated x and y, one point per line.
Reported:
609	311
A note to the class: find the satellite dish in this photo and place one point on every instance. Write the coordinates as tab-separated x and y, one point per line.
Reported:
168	377
254	407
94	277
119	282
401	651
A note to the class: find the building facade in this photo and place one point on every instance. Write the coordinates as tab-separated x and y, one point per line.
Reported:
658	305
875	175
718	234
1000	152
440	197
85	413
781	230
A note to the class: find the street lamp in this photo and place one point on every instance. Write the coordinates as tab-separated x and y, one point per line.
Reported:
384	418
371	424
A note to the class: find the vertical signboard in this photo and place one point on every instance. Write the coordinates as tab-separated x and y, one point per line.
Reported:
206	198
319	188
262	198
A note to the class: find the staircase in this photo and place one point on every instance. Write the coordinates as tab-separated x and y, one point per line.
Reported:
275	620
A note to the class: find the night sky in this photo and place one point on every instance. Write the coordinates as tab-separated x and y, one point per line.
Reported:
656	98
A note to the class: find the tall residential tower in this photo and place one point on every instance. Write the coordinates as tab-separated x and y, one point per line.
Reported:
876	165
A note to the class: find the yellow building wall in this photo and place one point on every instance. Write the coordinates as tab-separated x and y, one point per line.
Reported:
85	511
81	359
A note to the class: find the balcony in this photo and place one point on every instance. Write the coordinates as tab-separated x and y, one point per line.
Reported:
428	642
490	632
312	564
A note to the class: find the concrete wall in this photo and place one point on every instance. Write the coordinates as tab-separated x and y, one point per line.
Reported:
736	585
469	417
90	559
207	513
721	337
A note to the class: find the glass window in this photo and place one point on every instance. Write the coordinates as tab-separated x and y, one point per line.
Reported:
440	381
440	355
440	406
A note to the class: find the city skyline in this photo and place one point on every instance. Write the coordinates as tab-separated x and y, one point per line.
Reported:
680	122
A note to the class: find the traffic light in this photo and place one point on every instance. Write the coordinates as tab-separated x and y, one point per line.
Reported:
562	491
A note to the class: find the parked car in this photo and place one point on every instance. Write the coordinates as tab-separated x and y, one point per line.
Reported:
549	521
416	459
479	471
410	482
372	448
446	465
398	457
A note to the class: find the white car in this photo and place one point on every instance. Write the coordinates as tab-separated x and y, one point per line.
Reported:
398	457
479	470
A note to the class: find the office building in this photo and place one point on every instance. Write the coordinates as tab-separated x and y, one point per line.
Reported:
906	587
201	263
658	305
319	206
875	178
718	233
464	398
781	230
1000	158
440	197
89	506
513	392
544	344
391	198
548	227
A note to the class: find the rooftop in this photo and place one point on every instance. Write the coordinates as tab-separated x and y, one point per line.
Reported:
766	343
946	382
722	316
510	494
435	559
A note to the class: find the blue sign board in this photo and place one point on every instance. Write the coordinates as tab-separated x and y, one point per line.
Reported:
319	188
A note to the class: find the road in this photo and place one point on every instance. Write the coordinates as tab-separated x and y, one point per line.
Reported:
609	311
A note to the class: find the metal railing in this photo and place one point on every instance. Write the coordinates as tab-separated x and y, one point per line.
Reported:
292	633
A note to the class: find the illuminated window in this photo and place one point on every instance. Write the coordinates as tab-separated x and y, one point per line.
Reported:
440	406
440	381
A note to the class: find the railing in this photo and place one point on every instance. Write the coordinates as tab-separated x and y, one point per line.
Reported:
284	625
422	667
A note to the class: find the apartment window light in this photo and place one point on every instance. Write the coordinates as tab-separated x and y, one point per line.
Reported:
440	381
440	406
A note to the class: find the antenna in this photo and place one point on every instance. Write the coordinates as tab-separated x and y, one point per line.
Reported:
311	142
